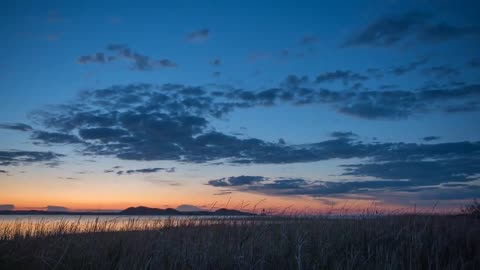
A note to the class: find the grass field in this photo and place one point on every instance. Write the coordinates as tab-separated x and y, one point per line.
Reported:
385	242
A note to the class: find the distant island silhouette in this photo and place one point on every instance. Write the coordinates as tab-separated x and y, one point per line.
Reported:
134	211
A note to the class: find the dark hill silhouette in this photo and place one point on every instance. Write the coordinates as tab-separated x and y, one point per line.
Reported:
133	211
231	212
142	210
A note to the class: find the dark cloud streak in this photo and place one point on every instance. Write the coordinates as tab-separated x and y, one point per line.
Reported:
391	30
18	157
123	52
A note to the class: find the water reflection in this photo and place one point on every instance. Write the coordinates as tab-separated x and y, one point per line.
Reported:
12	226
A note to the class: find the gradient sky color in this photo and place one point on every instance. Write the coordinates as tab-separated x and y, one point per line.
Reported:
308	104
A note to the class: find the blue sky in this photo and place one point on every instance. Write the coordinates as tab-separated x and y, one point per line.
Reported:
397	80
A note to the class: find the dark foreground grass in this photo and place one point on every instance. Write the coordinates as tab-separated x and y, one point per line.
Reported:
393	242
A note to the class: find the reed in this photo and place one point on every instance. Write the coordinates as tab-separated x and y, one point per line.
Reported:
363	242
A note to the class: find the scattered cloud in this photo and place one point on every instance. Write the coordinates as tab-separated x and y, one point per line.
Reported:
16	126
430	138
293	81
117	52
236	181
343	134
384	190
412	66
308	40
198	35
386	168
172	122
443	31
441	71
44	137
98	57
345	76
216	62
474	63
421	172
391	30
68	178
221	193
18	157
146	170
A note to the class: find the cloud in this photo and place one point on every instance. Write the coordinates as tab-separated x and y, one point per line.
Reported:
98	57
116	52
3	171
7	207
43	136
308	40
102	133
343	134
198	35
474	63
459	192
430	138
54	137
18	157
401	70
146	170
68	178
223	192
216	62
236	181
421	172
139	61
443	31
345	76
384	190
386	167
391	30
16	126
441	71
172	121
293	81
387	31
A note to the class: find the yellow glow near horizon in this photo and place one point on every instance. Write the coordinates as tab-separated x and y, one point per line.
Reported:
110	192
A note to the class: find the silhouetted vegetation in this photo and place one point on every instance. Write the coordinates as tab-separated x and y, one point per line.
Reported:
472	209
375	242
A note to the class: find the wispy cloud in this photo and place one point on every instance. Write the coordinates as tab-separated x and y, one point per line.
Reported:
16	126
117	52
391	30
17	157
198	35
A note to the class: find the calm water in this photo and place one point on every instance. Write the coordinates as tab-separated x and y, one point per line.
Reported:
40	225
85	218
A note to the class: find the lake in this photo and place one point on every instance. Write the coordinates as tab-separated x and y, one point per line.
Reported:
44	225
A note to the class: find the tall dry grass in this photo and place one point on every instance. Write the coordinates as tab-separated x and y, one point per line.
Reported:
382	242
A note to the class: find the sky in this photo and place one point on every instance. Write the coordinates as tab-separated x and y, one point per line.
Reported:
242	104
